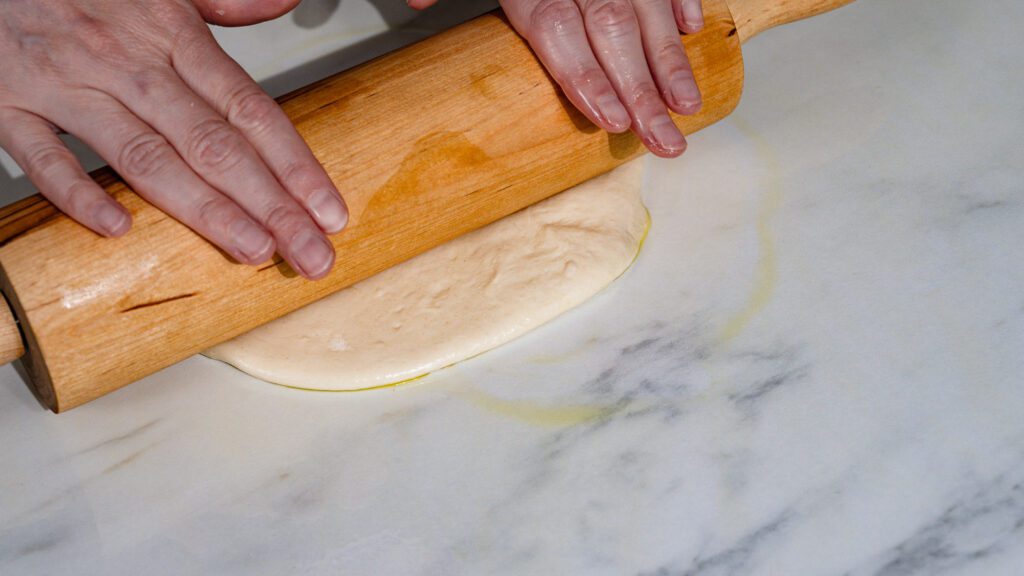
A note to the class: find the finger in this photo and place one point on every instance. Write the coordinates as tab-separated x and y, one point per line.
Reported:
221	81
555	31
666	56
59	176
151	166
242	12
689	15
614	33
420	4
221	156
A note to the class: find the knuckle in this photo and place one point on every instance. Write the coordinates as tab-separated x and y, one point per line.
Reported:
41	160
142	82
100	42
143	155
587	79
644	93
251	109
553	15
292	172
611	15
86	25
214	213
280	219
79	197
670	51
214	145
300	175
35	51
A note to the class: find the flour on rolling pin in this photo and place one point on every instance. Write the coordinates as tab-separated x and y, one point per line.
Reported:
459	299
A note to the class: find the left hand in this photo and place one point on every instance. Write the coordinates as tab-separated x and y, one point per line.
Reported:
620	62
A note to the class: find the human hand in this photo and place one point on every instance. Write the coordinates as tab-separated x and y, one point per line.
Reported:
620	62
146	86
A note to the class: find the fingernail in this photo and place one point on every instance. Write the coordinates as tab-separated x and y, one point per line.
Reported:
112	219
667	135
252	241
692	15
329	210
685	92
614	112
312	253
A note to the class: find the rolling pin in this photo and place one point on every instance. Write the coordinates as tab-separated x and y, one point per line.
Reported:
425	143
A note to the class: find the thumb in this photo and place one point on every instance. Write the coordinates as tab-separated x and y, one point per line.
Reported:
420	4
243	12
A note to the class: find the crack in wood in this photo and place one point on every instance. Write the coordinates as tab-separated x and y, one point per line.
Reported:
158	302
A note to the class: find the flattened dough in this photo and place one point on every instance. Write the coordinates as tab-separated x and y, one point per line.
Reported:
460	299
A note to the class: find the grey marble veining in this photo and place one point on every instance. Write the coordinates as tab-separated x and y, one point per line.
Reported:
814	367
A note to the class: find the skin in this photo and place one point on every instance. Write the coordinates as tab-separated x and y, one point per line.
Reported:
144	83
620	62
146	86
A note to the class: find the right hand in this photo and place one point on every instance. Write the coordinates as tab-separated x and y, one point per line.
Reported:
144	83
620	62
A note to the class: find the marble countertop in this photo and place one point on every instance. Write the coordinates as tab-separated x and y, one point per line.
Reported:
816	366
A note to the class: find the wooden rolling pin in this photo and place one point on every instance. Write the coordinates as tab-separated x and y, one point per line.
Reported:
426	143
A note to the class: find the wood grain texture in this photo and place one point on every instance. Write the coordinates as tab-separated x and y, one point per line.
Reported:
425	144
755	16
11	343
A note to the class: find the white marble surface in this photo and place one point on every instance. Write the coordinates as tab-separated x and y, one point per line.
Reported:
815	367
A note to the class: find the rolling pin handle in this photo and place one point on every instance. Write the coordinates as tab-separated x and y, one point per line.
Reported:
12	345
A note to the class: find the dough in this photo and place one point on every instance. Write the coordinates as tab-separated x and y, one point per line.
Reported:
458	300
